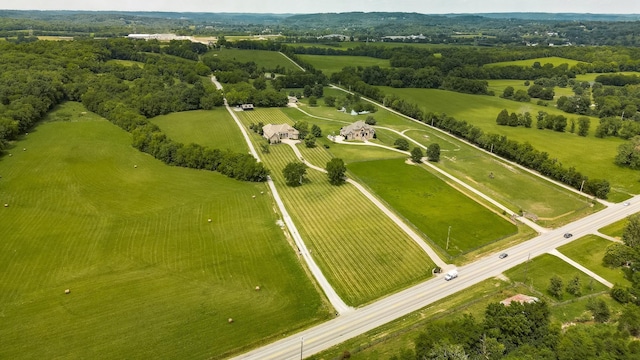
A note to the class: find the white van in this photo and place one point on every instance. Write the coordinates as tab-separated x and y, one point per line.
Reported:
451	275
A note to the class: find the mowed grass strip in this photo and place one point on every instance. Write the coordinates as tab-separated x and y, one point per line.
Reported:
553	60
591	156
360	250
150	276
589	251
211	128
432	205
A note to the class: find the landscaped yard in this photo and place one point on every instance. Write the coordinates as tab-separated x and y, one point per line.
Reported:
360	250
149	275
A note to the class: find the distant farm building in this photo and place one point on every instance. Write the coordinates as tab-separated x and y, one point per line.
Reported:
359	130
521	298
246	107
275	133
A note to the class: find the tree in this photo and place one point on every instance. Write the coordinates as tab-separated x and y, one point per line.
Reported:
574	287
583	126
508	92
521	96
433	152
629	153
630	320
310	141
631	233
555	287
330	101
503	117
260	83
302	127
294	173
316	131
599	309
401	144
313	101
416	155
307	91
335	171
370	120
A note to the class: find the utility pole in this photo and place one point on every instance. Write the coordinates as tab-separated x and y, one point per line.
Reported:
301	345
581	185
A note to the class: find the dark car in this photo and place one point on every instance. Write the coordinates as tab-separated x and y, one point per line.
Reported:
503	255
568	235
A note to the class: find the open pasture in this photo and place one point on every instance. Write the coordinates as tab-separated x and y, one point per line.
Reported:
589	155
550	203
432	205
553	60
588	251
263	58
330	64
211	128
498	86
360	250
149	275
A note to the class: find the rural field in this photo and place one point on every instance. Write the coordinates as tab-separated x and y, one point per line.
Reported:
433	205
149	276
589	155
360	250
551	204
211	128
553	60
330	64
262	58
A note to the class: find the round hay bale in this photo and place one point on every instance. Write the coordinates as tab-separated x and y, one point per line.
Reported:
24	149
67	291
257	288
10	154
230	320
6	205
253	197
135	166
209	220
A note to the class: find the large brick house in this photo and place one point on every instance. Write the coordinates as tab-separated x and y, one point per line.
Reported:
275	133
359	130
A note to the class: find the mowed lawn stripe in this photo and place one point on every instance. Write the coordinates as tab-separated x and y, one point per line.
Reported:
352	241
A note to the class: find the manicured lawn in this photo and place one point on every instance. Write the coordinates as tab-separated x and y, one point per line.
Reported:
149	275
262	58
498	87
330	64
537	273
432	205
588	251
554	60
360	250
589	155
211	128
615	229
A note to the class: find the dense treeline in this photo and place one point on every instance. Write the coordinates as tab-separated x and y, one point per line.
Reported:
38	75
520	331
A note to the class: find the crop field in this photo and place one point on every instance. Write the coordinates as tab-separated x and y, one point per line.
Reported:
432	205
552	204
212	128
149	276
330	64
263	58
537	272
588	251
361	251
553	60
589	155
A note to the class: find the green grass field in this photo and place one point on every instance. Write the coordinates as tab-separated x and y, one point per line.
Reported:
498	86
615	229
432	205
150	276
360	250
552	204
589	155
330	64
537	272
588	251
212	128
555	61
263	58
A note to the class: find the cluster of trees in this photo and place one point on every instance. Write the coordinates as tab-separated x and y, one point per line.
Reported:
629	154
519	331
31	84
513	119
243	93
294	172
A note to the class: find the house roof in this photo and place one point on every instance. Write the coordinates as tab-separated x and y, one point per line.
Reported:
271	129
356	126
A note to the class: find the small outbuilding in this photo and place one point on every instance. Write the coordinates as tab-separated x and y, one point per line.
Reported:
521	298
246	107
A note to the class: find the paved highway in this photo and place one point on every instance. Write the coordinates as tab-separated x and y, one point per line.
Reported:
359	321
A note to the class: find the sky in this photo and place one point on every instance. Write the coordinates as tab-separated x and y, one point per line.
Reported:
324	6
